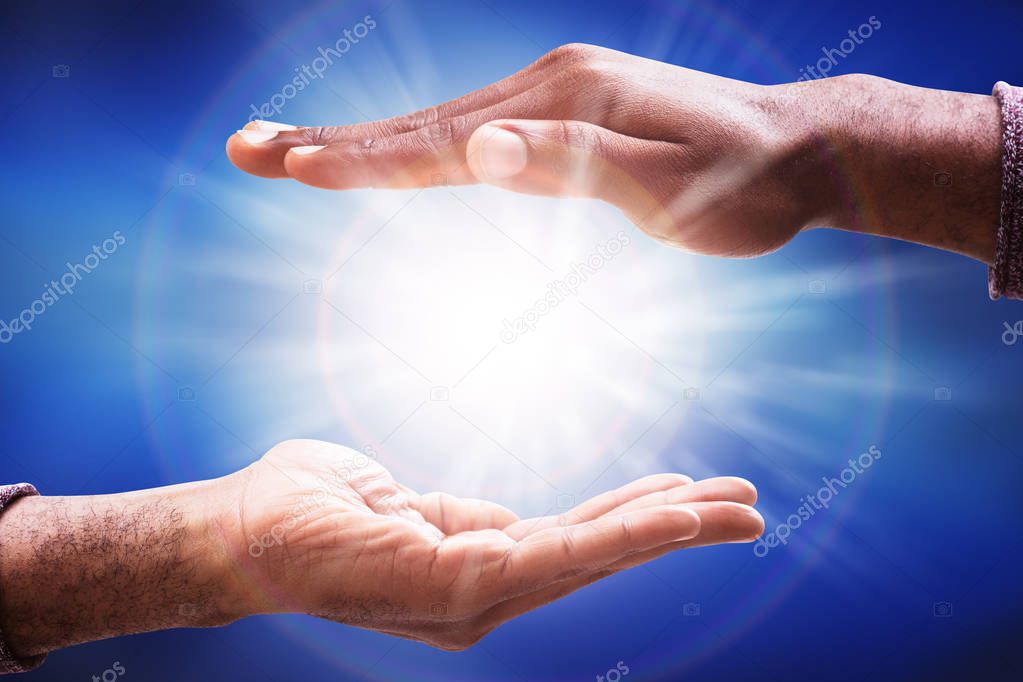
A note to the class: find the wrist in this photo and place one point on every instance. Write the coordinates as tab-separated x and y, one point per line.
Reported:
214	595
245	575
901	161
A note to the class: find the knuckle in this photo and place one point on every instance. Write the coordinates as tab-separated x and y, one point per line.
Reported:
298	446
283	446
626	531
595	73
568	544
573	52
579	135
676	163
421	119
317	135
589	89
441	134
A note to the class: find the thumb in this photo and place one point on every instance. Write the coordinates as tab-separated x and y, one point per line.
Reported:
556	158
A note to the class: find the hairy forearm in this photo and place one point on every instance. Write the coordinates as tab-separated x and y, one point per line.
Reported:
905	162
76	569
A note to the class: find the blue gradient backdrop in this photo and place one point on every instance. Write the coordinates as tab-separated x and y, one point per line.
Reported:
153	91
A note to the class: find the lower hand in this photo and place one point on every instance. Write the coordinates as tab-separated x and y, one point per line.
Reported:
320	529
329	532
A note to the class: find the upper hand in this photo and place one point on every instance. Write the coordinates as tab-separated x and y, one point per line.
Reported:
706	163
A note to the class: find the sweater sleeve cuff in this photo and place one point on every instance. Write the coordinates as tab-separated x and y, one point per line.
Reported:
9	663
1005	276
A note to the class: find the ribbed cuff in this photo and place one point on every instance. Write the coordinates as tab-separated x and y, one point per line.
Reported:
1005	276
8	662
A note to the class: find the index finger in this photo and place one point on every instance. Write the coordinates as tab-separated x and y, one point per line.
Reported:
263	153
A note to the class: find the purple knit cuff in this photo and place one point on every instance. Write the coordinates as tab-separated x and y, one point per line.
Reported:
1005	276
8	662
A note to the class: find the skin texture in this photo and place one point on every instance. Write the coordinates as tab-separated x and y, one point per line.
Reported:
75	569
704	163
320	529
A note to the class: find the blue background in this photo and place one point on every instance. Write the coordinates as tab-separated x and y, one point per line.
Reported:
90	406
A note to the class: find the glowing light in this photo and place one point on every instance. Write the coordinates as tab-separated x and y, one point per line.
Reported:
503	323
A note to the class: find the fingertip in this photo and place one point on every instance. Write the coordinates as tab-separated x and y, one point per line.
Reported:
257	137
749	491
488	159
502	155
235	150
253	157
759	525
747	521
723	488
263	124
311	166
680	479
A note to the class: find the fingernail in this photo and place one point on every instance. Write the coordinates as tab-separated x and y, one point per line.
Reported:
273	125
308	150
257	136
503	154
693	529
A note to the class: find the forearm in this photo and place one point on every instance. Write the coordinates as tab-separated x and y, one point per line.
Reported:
76	569
906	162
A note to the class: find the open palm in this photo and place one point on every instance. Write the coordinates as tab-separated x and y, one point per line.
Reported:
330	533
